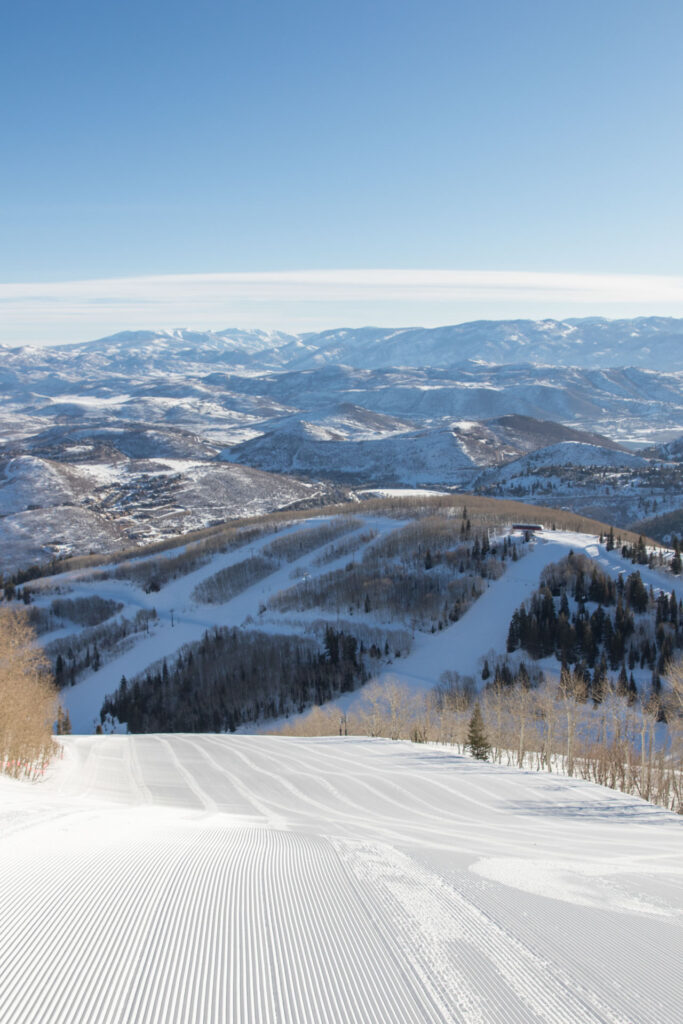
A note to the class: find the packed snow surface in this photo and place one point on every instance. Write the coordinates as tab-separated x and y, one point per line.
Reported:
263	879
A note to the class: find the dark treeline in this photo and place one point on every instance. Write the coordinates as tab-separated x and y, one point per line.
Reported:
154	573
301	542
84	611
629	628
433	600
639	554
225	584
231	677
88	650
428	572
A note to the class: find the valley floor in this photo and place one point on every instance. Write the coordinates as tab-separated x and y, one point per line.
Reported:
263	878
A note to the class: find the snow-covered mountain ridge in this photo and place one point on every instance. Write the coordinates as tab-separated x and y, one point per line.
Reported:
592	342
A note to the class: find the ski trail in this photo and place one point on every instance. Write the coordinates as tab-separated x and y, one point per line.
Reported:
261	880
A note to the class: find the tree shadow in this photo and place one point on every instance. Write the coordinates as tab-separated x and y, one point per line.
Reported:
598	810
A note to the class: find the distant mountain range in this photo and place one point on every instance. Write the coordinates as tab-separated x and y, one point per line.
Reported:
149	433
592	342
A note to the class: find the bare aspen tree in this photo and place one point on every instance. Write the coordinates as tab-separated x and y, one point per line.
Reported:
398	704
28	699
631	720
371	712
572	692
675	794
522	710
547	699
651	711
421	719
494	701
674	678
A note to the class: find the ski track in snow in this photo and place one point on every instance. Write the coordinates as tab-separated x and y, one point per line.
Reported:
461	646
269	879
483	629
180	619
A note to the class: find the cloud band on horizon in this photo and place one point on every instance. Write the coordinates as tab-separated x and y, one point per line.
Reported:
49	312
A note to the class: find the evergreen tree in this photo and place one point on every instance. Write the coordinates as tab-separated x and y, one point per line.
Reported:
632	689
332	645
641	552
513	640
636	593
673	608
477	741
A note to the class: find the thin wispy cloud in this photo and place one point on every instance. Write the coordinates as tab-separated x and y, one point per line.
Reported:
49	312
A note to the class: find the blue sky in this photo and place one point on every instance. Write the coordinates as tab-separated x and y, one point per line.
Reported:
144	139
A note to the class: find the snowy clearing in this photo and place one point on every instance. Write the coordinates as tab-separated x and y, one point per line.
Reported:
262	879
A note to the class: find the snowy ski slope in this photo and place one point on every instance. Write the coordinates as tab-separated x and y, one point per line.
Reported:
181	620
266	879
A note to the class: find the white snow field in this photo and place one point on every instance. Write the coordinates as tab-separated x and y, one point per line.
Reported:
202	878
